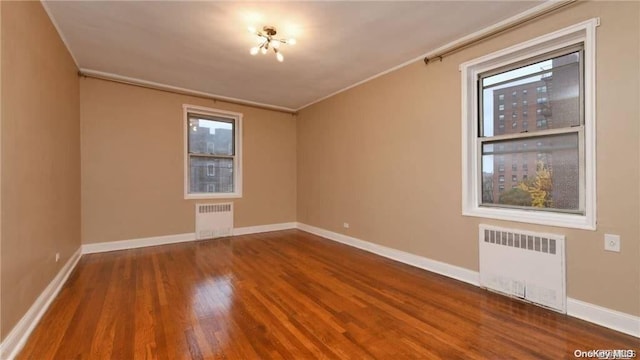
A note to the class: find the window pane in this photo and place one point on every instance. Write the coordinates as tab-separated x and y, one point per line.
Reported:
550	89
210	175
210	136
548	176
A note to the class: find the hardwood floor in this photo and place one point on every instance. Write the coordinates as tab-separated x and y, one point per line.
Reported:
291	295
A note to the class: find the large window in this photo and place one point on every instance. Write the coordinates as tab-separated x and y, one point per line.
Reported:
555	184
212	153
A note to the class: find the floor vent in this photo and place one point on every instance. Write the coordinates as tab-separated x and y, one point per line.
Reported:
524	264
214	220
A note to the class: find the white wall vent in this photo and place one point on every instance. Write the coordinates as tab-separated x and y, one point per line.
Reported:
524	264
214	220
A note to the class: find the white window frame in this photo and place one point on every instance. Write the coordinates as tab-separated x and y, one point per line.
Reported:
582	33
237	160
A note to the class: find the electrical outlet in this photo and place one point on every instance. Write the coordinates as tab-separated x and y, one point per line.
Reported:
57	257
612	242
345	225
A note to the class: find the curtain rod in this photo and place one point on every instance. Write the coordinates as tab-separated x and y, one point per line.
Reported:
179	91
510	25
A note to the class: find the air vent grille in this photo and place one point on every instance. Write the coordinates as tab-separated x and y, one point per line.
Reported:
214	208
522	241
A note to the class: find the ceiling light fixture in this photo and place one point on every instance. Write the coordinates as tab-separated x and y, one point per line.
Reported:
268	41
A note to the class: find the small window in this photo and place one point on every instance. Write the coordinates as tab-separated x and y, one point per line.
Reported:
514	167
501	97
514	178
501	107
212	153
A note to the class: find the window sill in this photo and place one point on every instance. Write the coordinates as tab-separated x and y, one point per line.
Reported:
573	221
213	196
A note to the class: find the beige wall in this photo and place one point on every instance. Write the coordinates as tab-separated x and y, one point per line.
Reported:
386	158
40	157
132	163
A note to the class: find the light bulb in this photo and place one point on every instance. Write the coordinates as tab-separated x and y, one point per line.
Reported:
291	41
263	50
254	50
279	57
251	29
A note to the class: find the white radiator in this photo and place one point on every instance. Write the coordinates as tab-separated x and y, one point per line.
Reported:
214	220
524	264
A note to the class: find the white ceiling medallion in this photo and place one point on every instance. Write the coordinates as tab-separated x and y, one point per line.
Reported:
268	41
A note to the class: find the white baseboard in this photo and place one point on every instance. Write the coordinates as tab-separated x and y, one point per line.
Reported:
452	271
173	239
18	336
616	320
612	319
264	228
137	243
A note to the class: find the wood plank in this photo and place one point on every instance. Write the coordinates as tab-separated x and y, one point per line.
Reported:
291	295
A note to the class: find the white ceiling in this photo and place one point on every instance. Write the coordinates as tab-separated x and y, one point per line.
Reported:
204	46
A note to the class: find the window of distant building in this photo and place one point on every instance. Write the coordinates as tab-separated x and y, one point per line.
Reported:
560	67
501	97
213	148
